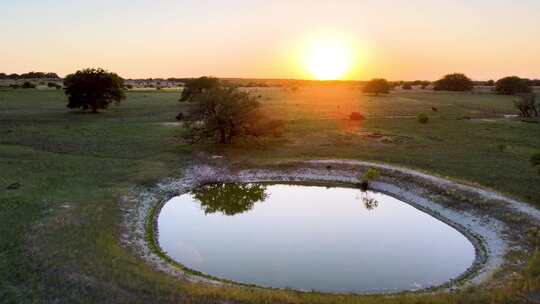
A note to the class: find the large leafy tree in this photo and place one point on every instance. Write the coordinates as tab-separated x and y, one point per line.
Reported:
197	86
454	82
225	112
376	86
93	89
512	85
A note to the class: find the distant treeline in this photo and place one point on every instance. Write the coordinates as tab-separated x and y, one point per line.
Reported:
30	75
530	82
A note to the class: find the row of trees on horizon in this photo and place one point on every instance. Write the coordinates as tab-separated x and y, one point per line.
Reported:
29	75
256	82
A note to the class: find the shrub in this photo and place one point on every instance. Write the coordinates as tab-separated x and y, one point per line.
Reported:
526	104
407	86
422	118
376	86
54	85
28	85
535	159
454	82
512	85
356	116
532	271
93	89
369	175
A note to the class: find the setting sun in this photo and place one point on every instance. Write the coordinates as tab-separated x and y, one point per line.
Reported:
328	59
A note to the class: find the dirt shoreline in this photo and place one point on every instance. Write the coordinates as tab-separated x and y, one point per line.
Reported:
485	217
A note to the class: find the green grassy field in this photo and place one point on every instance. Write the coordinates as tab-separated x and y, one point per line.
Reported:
59	229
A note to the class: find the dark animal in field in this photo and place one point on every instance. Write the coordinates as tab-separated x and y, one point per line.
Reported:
180	116
434	109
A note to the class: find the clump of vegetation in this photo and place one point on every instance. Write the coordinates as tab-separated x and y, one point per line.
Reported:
93	89
54	85
454	82
526	104
512	85
197	86
376	86
422	118
532	272
224	112
535	159
28	85
501	147
406	86
369	175
356	116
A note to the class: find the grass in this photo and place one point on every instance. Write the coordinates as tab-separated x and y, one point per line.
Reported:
59	229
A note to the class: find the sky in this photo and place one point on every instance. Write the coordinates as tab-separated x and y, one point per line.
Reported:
397	40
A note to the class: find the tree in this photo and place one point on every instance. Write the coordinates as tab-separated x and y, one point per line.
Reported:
454	82
512	85
406	86
197	86
93	89
376	86
490	83
225	112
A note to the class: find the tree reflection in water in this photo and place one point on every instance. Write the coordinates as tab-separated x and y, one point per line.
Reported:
229	199
369	202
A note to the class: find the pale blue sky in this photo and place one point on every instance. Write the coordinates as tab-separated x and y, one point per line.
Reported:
393	39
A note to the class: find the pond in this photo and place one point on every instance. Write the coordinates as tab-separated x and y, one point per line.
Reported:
311	237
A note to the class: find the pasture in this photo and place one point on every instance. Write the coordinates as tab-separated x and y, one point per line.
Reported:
62	174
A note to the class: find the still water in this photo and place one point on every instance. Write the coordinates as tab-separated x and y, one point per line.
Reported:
319	238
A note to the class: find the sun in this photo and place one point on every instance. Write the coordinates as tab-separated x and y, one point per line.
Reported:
328	59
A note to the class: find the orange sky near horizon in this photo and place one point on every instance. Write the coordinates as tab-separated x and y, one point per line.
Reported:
417	39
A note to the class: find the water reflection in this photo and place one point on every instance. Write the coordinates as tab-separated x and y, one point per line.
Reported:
369	202
311	238
229	199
